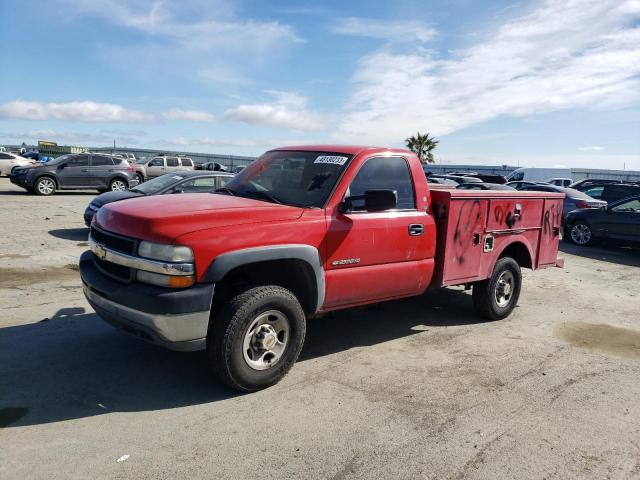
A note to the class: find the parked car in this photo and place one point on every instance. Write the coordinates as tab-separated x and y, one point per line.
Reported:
441	181
586	183
560	182
160	165
76	171
573	199
179	182
238	168
484	177
619	223
611	192
459	179
484	186
538	174
212	166
10	161
520	184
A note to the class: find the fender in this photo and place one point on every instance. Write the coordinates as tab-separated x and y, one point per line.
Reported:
518	239
226	262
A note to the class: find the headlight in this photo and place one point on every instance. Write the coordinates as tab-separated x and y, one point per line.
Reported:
167	253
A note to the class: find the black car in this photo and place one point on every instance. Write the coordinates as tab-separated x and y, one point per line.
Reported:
484	186
612	192
212	166
77	171
186	181
619	223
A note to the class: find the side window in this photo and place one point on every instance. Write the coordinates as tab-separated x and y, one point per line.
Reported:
4	156
384	173
595	192
156	162
204	184
186	162
78	161
222	181
172	162
101	160
630	206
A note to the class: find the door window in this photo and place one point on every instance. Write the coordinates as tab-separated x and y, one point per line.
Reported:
630	206
186	162
78	161
204	184
594	192
101	160
384	173
157	162
222	181
172	162
4	156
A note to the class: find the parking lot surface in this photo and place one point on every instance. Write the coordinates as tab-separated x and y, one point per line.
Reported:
418	388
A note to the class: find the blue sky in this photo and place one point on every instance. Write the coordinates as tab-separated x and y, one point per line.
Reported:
544	83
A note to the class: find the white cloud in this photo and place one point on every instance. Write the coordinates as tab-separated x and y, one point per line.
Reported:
188	115
592	148
564	54
84	111
287	110
392	31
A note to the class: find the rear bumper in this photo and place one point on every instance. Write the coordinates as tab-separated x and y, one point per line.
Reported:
174	319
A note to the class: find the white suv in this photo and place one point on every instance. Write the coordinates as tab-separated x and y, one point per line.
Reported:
160	165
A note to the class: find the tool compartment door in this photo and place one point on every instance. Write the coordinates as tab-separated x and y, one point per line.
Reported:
462	254
550	232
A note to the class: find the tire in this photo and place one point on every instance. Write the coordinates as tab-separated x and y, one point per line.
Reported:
492	298
45	186
233	342
117	185
580	234
140	178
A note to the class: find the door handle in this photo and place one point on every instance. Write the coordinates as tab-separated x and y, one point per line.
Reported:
416	229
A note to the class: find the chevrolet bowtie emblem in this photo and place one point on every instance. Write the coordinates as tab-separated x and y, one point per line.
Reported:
100	252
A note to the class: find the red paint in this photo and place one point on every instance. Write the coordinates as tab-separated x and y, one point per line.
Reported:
391	263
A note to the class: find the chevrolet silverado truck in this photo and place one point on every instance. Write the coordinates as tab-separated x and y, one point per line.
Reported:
303	231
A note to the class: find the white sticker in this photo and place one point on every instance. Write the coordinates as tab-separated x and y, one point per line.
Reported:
332	159
176	177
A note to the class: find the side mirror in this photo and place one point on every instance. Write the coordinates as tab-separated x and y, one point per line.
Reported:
374	201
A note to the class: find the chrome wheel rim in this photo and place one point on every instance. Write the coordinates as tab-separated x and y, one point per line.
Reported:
118	185
581	234
46	186
266	340
504	288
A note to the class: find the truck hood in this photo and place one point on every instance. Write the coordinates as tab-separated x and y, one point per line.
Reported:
162	218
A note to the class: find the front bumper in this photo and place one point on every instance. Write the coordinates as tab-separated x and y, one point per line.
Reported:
175	319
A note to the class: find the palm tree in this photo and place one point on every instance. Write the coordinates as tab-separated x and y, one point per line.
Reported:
423	146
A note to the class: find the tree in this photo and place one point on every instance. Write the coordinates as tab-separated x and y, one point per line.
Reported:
423	146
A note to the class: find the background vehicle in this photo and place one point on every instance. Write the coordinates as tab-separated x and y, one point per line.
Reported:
179	182
573	199
560	182
538	174
611	192
619	223
301	231
160	165
9	161
586	183
458	179
484	186
212	166
76	171
519	185
485	177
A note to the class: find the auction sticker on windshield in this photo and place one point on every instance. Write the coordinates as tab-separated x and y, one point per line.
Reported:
332	159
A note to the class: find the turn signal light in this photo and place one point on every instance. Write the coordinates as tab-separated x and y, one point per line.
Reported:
181	281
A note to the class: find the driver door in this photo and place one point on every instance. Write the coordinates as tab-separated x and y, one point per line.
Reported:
622	221
373	256
155	167
75	172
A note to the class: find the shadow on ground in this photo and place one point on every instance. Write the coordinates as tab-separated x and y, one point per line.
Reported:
604	252
74	366
58	193
74	234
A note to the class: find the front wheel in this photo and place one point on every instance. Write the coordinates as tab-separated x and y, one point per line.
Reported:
496	297
255	338
45	186
117	185
581	234
140	178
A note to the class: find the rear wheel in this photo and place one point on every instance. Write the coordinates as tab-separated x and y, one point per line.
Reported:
140	178
117	185
256	337
45	186
496	297
581	234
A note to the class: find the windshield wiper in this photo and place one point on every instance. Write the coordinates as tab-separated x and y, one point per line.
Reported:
226	190
265	195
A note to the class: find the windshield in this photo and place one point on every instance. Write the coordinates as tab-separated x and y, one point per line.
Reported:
152	187
303	179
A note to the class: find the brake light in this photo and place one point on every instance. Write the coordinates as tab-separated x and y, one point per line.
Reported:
131	169
583	204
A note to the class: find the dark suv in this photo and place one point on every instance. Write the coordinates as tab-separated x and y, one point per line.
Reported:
77	171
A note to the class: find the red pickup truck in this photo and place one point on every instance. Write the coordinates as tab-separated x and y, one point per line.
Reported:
301	231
